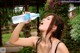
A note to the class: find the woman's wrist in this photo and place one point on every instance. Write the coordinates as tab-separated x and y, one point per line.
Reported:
23	23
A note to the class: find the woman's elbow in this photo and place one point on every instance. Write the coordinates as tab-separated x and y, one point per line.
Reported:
11	42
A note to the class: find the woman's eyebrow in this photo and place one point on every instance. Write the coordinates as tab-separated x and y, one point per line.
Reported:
48	17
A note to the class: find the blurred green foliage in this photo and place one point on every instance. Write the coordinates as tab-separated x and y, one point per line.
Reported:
27	50
75	28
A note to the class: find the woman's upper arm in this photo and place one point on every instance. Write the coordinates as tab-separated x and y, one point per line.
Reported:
62	48
25	41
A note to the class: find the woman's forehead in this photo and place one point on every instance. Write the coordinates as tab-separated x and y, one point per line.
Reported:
50	16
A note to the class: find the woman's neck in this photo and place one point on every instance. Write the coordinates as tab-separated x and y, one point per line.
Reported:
45	37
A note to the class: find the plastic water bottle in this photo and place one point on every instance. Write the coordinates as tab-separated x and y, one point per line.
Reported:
25	17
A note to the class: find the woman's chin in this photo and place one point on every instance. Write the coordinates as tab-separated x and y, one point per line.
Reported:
41	30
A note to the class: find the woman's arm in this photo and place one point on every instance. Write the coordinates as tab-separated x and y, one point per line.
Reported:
16	32
14	39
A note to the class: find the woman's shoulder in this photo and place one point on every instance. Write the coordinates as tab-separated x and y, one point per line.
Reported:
34	38
61	46
58	42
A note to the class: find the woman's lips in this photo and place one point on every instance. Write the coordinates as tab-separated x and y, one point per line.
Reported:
41	23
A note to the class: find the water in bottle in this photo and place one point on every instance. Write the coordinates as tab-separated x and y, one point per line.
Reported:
24	17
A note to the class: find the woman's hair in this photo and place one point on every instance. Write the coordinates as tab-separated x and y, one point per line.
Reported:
57	21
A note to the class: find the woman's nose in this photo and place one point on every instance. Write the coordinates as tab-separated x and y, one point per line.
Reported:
43	19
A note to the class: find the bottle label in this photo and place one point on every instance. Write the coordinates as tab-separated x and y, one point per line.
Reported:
27	17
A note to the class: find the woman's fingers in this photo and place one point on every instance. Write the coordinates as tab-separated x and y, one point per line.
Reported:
29	20
25	12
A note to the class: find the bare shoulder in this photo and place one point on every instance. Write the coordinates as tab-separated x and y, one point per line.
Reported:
34	39
59	45
62	48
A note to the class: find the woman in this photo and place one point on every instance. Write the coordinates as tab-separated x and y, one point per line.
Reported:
51	29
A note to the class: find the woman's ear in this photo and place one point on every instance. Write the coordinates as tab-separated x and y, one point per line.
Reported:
54	28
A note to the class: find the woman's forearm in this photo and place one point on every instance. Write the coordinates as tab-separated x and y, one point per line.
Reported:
15	34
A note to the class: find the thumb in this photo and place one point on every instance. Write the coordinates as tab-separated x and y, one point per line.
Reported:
29	20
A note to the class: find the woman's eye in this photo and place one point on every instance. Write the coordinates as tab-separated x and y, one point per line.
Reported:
48	19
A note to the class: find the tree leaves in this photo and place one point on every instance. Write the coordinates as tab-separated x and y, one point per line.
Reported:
75	24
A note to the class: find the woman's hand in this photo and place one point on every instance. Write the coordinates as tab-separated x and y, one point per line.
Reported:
25	12
28	20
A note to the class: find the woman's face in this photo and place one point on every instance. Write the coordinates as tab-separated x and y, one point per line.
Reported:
45	23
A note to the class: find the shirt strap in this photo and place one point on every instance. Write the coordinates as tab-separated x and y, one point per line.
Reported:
38	41
57	46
